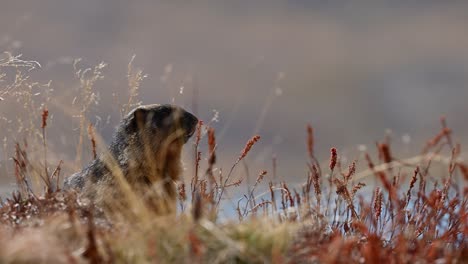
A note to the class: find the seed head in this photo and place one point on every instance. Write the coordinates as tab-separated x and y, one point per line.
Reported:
333	158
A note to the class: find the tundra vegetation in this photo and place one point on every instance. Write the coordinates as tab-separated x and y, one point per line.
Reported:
415	211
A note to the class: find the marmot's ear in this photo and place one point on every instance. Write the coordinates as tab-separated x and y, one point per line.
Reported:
139	117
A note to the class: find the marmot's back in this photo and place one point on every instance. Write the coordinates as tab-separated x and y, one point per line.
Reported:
146	149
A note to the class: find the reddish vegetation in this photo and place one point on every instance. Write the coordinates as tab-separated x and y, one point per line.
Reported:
411	216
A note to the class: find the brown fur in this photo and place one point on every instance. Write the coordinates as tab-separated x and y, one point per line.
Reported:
145	154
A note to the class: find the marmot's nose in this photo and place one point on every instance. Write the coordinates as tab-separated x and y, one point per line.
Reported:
189	122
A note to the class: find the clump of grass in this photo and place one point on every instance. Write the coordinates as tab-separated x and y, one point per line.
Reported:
415	213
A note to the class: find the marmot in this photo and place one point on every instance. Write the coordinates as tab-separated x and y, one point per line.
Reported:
145	150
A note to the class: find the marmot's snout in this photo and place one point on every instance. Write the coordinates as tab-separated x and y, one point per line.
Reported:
189	124
169	117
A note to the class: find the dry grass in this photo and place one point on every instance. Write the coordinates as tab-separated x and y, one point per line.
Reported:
417	212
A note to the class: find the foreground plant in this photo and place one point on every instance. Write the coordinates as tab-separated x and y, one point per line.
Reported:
417	211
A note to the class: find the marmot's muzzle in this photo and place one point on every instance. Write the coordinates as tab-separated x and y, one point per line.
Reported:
189	124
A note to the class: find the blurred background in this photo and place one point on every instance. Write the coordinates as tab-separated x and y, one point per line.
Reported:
355	70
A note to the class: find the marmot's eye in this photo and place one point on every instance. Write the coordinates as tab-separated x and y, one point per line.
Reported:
163	118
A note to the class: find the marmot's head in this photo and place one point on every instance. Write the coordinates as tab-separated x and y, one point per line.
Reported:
165	121
162	126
